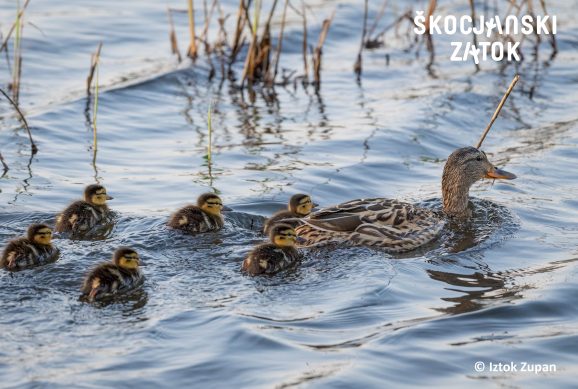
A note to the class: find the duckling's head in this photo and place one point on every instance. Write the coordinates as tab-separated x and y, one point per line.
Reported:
40	234
463	168
126	258
96	194
283	235
210	203
301	204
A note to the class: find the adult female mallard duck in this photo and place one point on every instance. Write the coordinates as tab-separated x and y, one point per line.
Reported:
113	277
300	205
203	217
269	258
34	249
397	226
83	215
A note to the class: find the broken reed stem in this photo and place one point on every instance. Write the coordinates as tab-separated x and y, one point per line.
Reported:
427	36
552	36
32	144
498	109
357	67
173	36
238	32
18	16
319	50
279	43
4	165
95	109
475	39
305	61
248	70
17	70
377	19
193	46
210	130
93	61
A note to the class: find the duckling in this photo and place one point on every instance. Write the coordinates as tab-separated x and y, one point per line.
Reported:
300	205
203	217
113	277
83	215
34	249
398	226
271	257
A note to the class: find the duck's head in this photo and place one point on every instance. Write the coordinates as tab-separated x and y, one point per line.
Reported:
126	258
463	168
96	194
210	203
40	234
283	235
301	204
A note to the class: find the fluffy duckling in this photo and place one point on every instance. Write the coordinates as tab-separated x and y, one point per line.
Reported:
271	257
300	205
113	277
203	217
83	215
34	249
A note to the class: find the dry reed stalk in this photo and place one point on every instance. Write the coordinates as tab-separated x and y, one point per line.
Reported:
271	80
18	17
305	61
248	69
430	10
318	52
96	61
93	62
357	67
192	52
498	109
173	36
552	36
17	70
237	41
203	38
24	122
427	35
210	131
4	165
475	38
377	18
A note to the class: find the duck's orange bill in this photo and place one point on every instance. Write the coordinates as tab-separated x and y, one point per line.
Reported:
500	174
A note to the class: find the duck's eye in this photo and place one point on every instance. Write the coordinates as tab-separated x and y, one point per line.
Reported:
478	158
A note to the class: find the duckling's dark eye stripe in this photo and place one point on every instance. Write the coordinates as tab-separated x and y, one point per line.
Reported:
217	203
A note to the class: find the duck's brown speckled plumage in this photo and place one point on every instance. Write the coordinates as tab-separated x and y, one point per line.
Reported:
269	258
391	224
398	226
110	278
83	215
23	253
193	220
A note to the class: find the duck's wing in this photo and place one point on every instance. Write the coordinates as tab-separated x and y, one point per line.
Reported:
349	216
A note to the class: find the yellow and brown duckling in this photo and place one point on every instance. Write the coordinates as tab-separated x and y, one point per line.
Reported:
113	277
33	250
204	217
269	258
83	215
300	205
398	226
